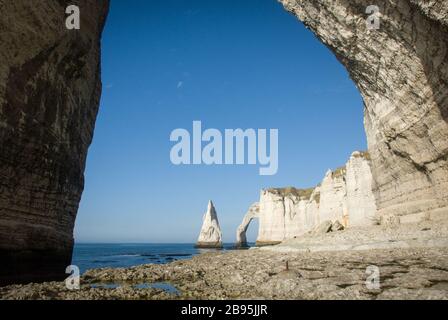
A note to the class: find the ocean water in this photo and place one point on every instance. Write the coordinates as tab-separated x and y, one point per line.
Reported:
92	256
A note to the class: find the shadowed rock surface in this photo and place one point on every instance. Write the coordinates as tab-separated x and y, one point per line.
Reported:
50	89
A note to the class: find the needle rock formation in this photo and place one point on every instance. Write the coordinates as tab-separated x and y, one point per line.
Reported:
210	236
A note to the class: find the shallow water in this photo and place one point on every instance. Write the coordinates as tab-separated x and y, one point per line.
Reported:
105	285
93	256
165	286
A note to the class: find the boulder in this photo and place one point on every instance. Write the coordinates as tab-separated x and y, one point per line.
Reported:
337	226
324	227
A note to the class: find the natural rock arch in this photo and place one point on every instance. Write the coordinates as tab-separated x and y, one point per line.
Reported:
50	89
252	213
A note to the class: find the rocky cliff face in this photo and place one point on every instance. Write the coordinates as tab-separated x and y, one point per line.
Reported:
345	196
210	235
401	70
360	202
49	94
285	213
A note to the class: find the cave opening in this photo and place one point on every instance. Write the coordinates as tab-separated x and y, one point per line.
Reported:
229	65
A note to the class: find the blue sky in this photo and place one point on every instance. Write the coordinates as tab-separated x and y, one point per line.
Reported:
230	64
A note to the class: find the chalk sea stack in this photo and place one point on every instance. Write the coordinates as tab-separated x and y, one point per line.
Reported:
210	236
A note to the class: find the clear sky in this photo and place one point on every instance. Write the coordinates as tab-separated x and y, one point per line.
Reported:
230	64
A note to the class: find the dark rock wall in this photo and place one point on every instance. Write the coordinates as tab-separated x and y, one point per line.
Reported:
50	89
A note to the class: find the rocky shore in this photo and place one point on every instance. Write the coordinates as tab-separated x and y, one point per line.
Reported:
406	271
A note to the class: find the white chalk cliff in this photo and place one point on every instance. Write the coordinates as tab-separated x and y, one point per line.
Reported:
345	196
210	236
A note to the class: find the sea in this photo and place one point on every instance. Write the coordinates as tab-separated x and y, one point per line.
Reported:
123	255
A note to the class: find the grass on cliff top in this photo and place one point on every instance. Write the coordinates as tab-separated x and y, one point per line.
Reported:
339	172
306	194
301	193
316	197
363	154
